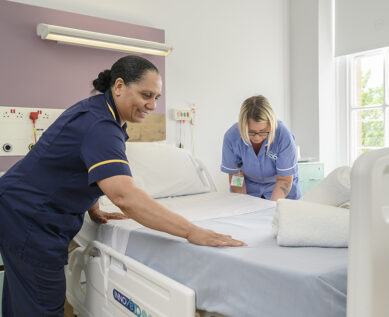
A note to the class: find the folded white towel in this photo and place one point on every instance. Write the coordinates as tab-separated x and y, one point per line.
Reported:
333	190
305	224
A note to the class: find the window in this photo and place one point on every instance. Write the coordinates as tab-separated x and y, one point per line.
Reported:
368	101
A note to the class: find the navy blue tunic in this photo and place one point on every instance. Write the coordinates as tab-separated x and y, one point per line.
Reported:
44	196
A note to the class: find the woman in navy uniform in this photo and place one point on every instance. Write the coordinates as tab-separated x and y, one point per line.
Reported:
80	157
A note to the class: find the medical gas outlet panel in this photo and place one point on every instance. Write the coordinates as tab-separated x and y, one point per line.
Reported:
184	114
21	128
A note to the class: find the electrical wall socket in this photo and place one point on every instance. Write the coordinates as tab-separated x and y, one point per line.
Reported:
16	128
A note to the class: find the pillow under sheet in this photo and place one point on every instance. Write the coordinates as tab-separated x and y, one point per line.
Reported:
163	170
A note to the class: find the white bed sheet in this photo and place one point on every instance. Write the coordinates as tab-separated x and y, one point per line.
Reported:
193	207
262	279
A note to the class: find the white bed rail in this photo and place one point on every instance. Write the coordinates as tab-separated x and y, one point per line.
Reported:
204	173
368	270
117	286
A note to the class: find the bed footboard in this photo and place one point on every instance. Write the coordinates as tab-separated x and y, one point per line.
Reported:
368	275
101	282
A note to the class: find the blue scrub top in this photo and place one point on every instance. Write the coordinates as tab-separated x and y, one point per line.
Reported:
44	196
260	170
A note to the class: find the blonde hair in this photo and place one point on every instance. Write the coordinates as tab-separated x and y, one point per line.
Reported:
259	109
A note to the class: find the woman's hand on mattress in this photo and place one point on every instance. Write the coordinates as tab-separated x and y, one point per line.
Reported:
207	237
100	216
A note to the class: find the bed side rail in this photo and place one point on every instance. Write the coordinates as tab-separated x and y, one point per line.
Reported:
205	175
102	282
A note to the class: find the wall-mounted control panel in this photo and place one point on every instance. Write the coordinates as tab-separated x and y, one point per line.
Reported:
20	128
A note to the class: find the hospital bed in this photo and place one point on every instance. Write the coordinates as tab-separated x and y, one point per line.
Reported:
124	269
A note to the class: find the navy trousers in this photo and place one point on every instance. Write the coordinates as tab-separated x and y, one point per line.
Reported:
31	291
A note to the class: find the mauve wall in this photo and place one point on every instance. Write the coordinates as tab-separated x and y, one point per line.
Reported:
40	73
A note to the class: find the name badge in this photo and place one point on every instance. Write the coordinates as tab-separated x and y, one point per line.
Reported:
237	180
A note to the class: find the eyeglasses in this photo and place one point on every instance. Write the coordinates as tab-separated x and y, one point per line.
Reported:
261	134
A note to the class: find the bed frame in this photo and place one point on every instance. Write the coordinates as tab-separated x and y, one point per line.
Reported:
102	282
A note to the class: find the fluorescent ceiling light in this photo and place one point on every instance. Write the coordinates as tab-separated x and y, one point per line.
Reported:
100	40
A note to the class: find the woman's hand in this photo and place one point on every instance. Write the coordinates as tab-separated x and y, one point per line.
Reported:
100	216
207	237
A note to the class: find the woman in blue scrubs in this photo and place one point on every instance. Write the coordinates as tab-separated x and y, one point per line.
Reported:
259	153
80	157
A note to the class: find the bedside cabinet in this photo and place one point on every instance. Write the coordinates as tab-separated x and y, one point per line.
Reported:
310	173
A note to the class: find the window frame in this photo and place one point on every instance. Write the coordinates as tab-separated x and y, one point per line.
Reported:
351	96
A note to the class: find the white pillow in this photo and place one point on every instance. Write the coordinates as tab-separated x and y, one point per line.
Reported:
333	190
163	170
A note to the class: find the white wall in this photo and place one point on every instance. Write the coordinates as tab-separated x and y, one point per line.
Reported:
304	71
313	106
224	52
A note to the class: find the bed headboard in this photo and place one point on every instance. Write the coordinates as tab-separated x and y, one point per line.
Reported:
153	128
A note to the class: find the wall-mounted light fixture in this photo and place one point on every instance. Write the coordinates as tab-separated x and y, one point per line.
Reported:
100	40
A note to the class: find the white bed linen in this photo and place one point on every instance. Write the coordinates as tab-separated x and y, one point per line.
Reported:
262	279
193	207
163	170
334	190
300	223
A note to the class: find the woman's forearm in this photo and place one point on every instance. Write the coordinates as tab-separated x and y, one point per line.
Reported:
138	205
145	210
282	187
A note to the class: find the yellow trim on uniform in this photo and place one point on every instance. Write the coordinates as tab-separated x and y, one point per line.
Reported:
113	113
107	162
